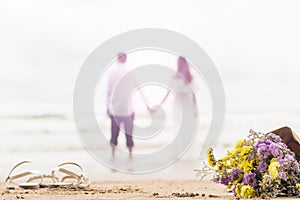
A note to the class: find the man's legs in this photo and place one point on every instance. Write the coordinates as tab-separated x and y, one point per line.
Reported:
128	133
115	129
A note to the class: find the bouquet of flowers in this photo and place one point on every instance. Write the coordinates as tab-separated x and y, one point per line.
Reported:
260	166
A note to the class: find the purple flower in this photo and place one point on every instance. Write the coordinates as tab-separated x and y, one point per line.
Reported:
287	161
290	159
249	179
291	170
224	180
262	147
262	166
273	137
282	175
258	175
274	149
235	174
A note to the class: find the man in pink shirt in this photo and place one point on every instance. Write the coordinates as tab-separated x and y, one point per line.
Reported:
119	108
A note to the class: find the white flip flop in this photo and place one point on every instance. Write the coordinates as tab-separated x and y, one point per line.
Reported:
79	179
25	185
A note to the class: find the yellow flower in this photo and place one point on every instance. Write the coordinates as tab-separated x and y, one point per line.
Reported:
221	167
210	157
246	150
298	185
256	160
238	189
229	186
238	179
273	168
232	163
246	166
233	153
239	143
247	191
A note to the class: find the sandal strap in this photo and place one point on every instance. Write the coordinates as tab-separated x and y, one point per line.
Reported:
22	174
10	178
45	176
81	179
68	172
71	163
14	167
84	182
67	177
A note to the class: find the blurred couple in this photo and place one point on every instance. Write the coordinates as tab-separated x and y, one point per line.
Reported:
121	111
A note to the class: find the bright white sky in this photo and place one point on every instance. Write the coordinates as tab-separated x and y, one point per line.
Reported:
255	45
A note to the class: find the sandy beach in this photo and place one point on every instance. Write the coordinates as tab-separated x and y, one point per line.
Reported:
155	189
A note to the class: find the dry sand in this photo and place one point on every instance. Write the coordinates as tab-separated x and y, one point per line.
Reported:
126	190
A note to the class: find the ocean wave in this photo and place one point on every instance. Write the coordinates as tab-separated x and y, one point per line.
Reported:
38	116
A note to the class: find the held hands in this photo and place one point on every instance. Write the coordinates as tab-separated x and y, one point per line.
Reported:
157	107
153	109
